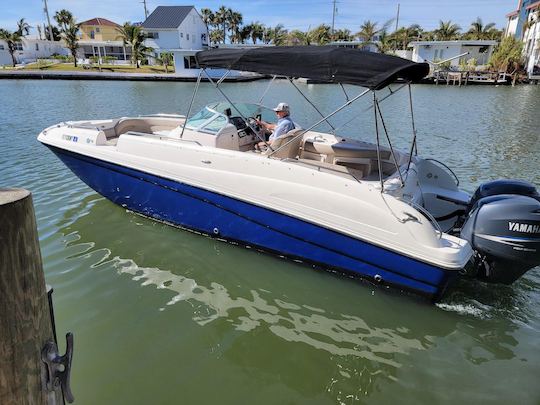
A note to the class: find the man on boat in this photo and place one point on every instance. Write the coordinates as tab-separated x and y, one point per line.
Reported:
281	127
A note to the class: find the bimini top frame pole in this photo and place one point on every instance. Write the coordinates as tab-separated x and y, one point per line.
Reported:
191	102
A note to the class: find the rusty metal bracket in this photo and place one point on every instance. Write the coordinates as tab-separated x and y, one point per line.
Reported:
59	367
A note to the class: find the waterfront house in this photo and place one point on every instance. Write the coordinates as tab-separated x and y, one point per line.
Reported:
31	48
370	46
177	29
453	52
524	24
99	37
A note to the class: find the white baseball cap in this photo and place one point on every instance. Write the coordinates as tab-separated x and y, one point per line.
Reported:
282	107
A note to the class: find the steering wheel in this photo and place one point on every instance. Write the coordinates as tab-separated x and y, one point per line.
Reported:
252	122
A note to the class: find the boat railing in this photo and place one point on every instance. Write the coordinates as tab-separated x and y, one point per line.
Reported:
447	168
426	213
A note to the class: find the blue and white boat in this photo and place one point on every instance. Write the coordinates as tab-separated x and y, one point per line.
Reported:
384	215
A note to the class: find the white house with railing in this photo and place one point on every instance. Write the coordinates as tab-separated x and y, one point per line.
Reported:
177	29
455	52
29	49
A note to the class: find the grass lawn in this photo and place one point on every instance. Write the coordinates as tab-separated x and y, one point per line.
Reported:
105	68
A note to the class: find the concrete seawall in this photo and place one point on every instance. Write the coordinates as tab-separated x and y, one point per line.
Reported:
74	75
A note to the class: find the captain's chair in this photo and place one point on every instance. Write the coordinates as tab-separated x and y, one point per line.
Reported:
291	150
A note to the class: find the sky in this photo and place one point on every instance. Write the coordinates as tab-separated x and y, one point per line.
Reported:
293	14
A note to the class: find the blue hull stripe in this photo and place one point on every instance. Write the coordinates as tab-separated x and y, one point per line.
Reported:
202	210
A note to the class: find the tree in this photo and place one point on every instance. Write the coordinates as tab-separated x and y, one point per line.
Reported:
166	59
369	30
64	19
256	31
235	21
384	45
57	35
222	17
321	34
216	36
279	35
479	31
508	55
69	30
133	36
208	17
402	37
71	38
343	35
23	27
297	37
11	38
447	31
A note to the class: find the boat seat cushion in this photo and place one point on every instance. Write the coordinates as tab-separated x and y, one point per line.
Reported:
334	169
346	149
288	151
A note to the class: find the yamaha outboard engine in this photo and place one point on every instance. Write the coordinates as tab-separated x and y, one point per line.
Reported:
503	227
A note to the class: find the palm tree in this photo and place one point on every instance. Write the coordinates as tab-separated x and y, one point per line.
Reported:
384	45
268	33
297	37
321	34
279	35
222	17
133	36
343	35
23	27
235	21
479	31
64	18
208	17
216	36
369	30
403	36
166	59
11	38
256	31
447	31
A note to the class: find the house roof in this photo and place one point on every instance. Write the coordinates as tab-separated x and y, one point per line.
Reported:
512	14
534	5
100	21
167	17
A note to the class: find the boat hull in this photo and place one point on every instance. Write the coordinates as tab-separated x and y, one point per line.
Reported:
228	218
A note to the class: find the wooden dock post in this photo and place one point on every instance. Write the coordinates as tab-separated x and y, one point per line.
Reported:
25	324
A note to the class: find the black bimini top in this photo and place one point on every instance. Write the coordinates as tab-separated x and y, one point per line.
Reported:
325	63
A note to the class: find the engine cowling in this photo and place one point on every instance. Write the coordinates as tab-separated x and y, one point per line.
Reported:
503	227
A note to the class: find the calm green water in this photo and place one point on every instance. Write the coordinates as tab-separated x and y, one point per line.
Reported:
163	316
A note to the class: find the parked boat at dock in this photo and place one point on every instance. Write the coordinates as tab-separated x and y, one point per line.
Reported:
385	215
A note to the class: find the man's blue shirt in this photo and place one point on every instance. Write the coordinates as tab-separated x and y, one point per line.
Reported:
283	126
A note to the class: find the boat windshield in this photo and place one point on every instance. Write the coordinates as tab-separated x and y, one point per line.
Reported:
215	116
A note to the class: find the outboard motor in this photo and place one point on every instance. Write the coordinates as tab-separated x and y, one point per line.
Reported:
503	227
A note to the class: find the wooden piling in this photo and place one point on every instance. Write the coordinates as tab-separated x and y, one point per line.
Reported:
25	324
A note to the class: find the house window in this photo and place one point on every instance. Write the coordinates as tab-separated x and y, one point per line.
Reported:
92	34
18	46
187	37
37	47
181	35
203	37
154	35
193	39
190	62
97	29
1	47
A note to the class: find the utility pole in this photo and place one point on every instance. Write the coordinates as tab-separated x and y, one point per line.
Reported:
397	17
48	20
333	16
145	9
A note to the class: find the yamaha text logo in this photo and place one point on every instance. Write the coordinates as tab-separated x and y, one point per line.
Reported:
526	228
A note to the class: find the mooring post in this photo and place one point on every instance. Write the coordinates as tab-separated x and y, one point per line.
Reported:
25	323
